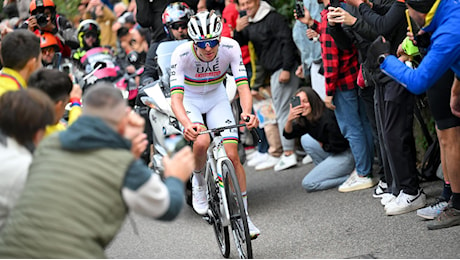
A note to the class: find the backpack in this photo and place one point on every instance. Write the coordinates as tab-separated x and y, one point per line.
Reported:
431	161
432	157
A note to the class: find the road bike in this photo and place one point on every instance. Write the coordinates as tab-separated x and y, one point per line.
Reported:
226	209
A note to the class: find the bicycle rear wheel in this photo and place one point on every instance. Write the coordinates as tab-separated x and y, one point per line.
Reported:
214	200
238	218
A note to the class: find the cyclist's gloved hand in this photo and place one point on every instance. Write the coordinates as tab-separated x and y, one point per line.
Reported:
377	52
251	120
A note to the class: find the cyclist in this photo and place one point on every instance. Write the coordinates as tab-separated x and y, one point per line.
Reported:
198	69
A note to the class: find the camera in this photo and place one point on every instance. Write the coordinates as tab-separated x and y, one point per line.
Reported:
174	142
299	10
295	101
42	19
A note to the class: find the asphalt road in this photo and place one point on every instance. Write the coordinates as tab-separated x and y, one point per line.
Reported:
296	224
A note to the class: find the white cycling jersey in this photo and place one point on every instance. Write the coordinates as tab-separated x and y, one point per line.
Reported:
201	83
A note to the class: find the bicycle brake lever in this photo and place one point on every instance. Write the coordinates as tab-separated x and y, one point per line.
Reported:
253	131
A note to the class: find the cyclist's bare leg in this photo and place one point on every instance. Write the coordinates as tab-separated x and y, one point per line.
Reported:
200	147
232	153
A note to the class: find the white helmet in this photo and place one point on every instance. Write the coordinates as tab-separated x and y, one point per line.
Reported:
204	26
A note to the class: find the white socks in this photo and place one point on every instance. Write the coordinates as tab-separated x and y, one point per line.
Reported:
198	178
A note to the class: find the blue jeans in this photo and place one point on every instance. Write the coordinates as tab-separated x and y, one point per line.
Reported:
354	125
330	171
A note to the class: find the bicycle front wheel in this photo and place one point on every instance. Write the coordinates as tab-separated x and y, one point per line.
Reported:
214	201
238	218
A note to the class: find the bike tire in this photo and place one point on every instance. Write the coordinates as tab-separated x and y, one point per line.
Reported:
238	217
214	201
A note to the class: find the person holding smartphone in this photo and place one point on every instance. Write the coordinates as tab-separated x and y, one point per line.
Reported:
310	119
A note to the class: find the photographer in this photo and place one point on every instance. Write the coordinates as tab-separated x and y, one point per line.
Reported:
325	143
43	18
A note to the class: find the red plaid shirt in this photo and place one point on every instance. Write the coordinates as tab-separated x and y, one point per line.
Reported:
340	66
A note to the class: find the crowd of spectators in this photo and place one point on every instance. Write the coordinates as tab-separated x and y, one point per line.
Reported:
339	88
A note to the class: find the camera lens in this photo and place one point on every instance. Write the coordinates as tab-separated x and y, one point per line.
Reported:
42	20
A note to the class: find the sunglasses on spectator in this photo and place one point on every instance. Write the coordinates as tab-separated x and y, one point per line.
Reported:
176	26
90	35
204	44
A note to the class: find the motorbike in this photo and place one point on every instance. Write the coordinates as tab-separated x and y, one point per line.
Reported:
100	64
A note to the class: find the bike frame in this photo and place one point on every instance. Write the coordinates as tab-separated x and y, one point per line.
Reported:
216	155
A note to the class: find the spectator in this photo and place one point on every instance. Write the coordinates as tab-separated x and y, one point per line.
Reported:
58	86
105	18
94	180
428	15
18	68
310	50
394	114
121	12
362	35
43	18
51	54
340	72
23	117
124	38
321	139
272	39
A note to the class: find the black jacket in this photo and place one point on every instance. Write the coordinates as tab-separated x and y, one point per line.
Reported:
272	40
325	130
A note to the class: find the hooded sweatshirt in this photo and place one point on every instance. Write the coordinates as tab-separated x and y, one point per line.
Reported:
81	184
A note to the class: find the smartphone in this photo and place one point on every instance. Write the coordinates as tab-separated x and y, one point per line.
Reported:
174	143
335	3
67	68
299	10
295	101
243	13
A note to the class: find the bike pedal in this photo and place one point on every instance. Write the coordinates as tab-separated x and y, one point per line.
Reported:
208	219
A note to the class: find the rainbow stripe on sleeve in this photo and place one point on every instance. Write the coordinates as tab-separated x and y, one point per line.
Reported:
241	80
177	90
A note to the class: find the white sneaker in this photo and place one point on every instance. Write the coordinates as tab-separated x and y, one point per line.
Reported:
258	158
307	159
199	199
433	210
267	164
254	232
250	153
355	182
405	203
380	189
286	162
387	198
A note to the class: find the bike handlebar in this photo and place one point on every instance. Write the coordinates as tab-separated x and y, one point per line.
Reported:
219	130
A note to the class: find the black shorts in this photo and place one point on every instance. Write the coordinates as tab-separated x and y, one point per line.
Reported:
439	101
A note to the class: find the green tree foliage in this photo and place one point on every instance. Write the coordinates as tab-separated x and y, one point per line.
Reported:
285	8
68	8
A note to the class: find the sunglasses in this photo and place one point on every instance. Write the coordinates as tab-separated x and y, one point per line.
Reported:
90	35
176	26
204	44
